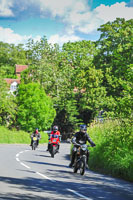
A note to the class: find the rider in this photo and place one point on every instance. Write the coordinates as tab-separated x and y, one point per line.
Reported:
35	134
54	132
80	137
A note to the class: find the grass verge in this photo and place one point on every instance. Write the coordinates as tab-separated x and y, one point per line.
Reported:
18	137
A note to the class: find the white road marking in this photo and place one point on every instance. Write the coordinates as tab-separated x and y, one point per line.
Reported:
42	175
27	150
45	176
17	159
78	194
24	165
21	152
17	155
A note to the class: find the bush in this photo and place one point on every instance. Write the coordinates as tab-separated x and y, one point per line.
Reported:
113	152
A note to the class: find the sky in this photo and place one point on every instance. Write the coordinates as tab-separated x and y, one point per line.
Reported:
59	21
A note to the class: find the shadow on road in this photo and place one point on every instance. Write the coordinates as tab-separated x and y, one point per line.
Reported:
46	163
46	156
41	189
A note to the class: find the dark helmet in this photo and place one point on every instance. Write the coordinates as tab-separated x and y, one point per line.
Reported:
55	128
83	128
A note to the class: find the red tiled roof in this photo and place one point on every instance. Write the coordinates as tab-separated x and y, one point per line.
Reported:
20	68
10	81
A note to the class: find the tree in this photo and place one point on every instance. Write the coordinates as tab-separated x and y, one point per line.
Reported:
86	78
114	58
35	108
7	105
60	72
9	56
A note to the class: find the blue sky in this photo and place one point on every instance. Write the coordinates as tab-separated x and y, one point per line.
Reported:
59	20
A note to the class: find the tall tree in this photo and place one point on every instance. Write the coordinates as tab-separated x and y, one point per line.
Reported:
85	78
114	58
35	108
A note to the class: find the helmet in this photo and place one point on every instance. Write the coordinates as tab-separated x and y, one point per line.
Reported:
83	128
55	128
36	130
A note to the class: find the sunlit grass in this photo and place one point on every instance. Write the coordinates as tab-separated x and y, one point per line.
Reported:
113	153
18	137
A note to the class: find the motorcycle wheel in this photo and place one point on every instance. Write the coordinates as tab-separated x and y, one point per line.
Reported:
53	152
34	146
82	167
75	167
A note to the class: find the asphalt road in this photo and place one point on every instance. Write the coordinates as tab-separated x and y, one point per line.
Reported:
27	174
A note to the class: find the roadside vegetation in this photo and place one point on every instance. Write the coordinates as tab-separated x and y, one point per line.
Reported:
18	137
113	153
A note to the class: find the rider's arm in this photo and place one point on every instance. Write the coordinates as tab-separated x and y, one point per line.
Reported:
39	135
58	133
74	139
50	136
32	135
90	141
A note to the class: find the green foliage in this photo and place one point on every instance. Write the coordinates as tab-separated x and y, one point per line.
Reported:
114	58
113	152
13	137
83	77
35	109
9	56
7	105
18	137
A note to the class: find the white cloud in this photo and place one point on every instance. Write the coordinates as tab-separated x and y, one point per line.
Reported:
74	14
77	16
5	10
110	13
62	8
63	39
7	35
89	21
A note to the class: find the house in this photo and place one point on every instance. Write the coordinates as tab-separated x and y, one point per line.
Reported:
19	69
13	83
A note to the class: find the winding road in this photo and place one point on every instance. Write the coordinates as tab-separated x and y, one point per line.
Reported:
27	174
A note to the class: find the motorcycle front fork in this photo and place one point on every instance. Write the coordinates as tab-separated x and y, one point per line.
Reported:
80	160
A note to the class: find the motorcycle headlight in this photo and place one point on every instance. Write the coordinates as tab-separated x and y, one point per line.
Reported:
84	147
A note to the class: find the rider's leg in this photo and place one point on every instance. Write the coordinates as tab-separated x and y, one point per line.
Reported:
37	142
48	147
88	154
31	142
58	147
74	150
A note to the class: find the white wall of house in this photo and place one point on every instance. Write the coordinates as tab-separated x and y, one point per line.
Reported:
13	87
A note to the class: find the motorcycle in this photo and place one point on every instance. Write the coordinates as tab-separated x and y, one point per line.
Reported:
34	144
54	144
80	159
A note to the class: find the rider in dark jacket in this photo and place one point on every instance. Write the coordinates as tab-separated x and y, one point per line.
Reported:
35	134
80	137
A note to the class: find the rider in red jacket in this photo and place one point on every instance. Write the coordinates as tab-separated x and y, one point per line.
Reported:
54	132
